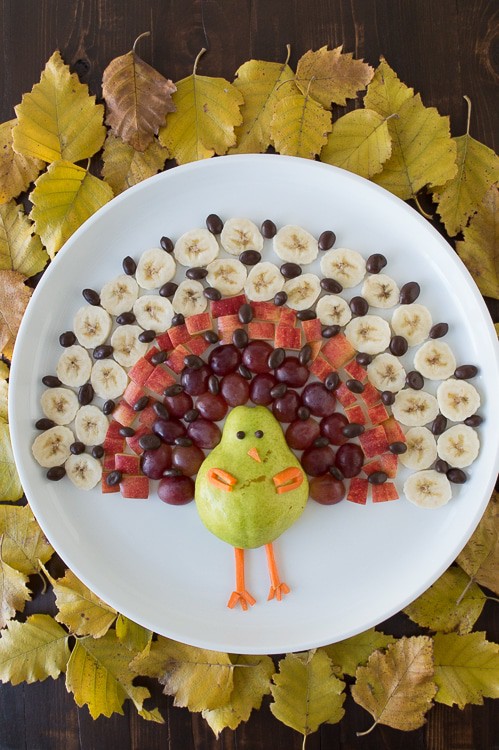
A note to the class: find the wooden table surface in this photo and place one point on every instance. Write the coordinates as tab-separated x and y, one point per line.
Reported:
444	49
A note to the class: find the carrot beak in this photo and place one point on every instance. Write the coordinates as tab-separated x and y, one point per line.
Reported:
254	454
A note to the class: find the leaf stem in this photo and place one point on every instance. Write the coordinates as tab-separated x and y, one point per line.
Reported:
466	589
141	36
200	54
421	210
492	599
468	102
368	731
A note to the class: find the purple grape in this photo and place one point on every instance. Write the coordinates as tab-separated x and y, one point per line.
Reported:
178	405
332	428
316	461
285	408
326	490
195	382
176	490
153	463
349	459
204	434
292	372
256	355
318	399
168	430
211	406
260	388
224	359
188	459
301	433
235	389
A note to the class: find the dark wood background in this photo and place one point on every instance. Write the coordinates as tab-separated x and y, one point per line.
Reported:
444	49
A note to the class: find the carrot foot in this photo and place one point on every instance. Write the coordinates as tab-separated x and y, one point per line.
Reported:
278	591
241	597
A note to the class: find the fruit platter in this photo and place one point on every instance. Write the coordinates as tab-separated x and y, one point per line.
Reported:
202	357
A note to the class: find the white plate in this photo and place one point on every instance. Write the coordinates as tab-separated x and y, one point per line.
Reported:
349	567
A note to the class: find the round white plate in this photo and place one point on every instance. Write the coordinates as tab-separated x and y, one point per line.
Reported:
349	567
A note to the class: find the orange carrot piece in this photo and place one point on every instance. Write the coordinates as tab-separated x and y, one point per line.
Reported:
221	479
277	587
288	479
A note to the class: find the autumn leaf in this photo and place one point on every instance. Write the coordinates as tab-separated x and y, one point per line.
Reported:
207	110
14	591
450	604
306	693
466	668
397	687
16	171
386	93
198	678
59	119
10	485
123	166
33	650
263	85
299	126
99	677
24	543
64	197
480	558
355	651
133	636
333	76
138	98
4	395
20	249
251	682
360	142
14	298
479	250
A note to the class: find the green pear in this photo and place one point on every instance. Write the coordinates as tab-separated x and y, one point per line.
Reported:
250	512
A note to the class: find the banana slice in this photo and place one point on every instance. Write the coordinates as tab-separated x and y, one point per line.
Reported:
380	291
435	360
108	379
386	373
91	425
428	489
346	266
126	345
459	445
198	247
239	235
74	366
414	408
263	282
59	404
226	275
155	268
457	399
333	310
119	294
92	326
369	334
84	471
153	313
421	449
302	291
51	448
189	298
295	244
413	322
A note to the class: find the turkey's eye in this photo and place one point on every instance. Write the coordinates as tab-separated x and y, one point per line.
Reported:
240	435
259	434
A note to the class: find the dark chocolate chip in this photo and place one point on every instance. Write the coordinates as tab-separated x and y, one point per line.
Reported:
377	477
303	413
441	466
375	263
172	473
240	435
213	384
196	274
191	415
353	430
438	330
250	257
85	394
414	380
456	476
173	390
276	358
398	447
409	293
245	313
336	473
159	357
240	338
332	381
149	442
193	362
91	296
278	390
291	270
329	331
355	386
166	244
465	372
114	478
331	285
67	339
126	432
108	407
244	372
77	448
388	398
326	240
126	318
147	336
51	381
280	299
305	354
141	404
97	451
268	229
321	442
363	359
168	289
55	473
129	265
103	351
212	294
306	315
359	306
398	346
439	424
474	421
160	410
211	337
44	424
178	320
214	224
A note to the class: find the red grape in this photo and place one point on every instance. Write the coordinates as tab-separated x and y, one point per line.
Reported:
211	406
318	399
326	490
235	389
255	356
292	372
224	359
285	408
260	388
332	426
177	490
349	459
168	430
316	461
178	405
204	434
153	463
301	433
188	459
195	382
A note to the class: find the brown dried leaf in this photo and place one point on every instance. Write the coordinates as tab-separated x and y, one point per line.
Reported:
16	170
13	592
333	76
14	298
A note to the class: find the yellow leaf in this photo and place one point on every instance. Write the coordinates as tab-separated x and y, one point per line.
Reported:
466	668
386	93
300	126
4	370
207	110
16	170
333	76
480	558
59	119
14	298
359	142
64	197
479	250
251	682
99	677
20	249
133	636
4	394
306	692
354	652
13	591
33	650
24	543
80	610
397	687
198	678
262	85
450	604
124	166
10	486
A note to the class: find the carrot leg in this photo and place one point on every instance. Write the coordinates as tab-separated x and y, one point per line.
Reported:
240	595
277	587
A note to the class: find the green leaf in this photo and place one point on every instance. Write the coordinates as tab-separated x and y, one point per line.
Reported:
479	250
480	558
20	249
33	650
354	652
133	636
124	167
14	592
300	126
16	171
360	142
24	543
10	486
466	668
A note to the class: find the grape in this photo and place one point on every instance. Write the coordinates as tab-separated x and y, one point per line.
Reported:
285	408
154	463
195	382
316	461
211	406
204	434
235	389
326	490
176	490
188	459
255	356
178	405
224	359
349	459
292	372
332	426
260	388
168	430
318	399
302	433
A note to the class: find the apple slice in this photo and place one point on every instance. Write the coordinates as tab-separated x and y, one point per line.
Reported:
227	306
312	330
179	335
133	393
147	417
320	367
374	442
381	493
266	311
140	371
356	371
261	329
160	379
338	351
370	395
126	463
288	317
199	323
393	431
176	358
124	414
355	414
287	337
345	396
377	414
164	342
226	325
198	345
106	489
387	462
357	492
136	487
